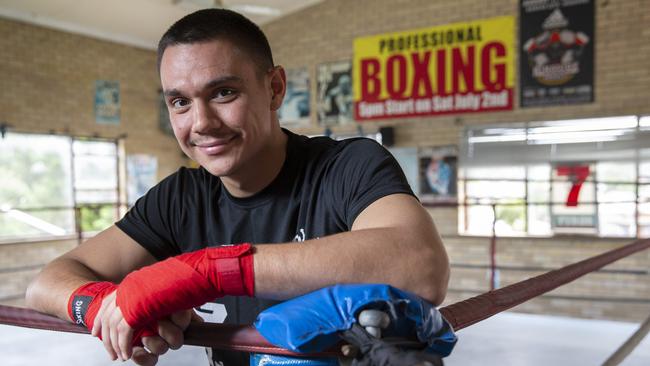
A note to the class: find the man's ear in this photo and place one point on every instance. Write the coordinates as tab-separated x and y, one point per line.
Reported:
278	87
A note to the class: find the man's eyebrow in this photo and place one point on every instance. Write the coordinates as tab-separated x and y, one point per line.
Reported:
209	85
222	80
171	93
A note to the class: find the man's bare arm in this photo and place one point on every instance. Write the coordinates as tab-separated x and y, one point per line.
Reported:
109	256
392	241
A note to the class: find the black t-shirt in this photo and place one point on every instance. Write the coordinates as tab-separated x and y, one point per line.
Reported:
322	187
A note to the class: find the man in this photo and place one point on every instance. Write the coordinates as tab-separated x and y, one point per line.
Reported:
336	212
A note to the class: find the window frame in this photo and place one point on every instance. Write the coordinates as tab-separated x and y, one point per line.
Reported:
75	206
516	134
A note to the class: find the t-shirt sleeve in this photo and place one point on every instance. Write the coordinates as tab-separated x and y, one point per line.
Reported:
151	221
363	173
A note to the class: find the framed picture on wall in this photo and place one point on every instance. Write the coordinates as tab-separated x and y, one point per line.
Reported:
334	100
557	52
141	173
295	108
107	102
437	174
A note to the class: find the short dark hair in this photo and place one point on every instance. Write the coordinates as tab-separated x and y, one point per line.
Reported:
213	24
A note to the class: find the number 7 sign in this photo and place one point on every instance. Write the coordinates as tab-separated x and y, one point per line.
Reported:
577	174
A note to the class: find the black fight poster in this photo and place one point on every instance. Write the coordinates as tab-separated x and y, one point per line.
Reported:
556	64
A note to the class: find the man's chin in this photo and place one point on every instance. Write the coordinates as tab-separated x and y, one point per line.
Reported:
218	170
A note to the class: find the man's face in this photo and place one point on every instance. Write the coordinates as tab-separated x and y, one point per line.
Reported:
220	104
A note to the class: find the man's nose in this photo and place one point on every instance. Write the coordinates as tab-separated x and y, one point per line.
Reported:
205	118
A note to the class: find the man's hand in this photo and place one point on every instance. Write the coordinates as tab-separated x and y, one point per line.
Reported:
170	335
117	335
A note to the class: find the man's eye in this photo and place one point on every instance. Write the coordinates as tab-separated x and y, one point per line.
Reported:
179	103
224	93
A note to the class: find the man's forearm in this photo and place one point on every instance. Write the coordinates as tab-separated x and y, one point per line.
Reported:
413	261
50	290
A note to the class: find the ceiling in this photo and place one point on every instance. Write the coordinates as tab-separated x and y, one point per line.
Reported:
137	23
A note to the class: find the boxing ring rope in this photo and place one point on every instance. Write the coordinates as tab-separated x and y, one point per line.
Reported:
459	315
629	345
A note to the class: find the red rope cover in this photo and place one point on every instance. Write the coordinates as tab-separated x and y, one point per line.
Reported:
459	315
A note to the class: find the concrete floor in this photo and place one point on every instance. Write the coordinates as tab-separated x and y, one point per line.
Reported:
506	339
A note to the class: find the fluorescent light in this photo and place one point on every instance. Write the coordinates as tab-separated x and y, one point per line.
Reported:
504	131
501	138
587	124
256	9
575	140
577	135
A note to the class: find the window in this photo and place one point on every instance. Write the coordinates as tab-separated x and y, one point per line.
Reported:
55	186
95	183
545	178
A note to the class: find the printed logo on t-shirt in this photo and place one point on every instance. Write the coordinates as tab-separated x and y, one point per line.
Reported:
212	312
300	236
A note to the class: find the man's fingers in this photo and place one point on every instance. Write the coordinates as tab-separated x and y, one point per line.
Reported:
170	333
125	334
114	321
182	318
142	357
97	322
155	345
106	337
196	318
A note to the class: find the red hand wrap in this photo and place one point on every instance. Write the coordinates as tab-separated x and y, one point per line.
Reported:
85	302
185	281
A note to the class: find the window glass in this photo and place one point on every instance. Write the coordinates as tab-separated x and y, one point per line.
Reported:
25	224
96	148
95	172
97	217
539	196
511	218
479	220
35	171
37	195
508	196
95	167
617	199
572	176
495	172
496	191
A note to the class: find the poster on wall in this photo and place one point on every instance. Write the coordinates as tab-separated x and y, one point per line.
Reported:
438	174
334	86
107	102
556	61
454	68
141	173
294	111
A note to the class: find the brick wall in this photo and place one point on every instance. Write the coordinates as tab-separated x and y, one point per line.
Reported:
20	262
325	32
47	83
